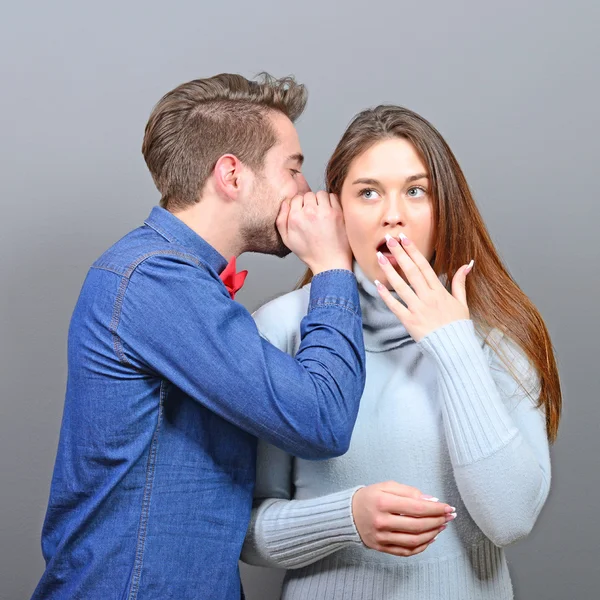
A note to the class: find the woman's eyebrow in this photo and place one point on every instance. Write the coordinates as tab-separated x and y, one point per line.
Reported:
369	181
417	177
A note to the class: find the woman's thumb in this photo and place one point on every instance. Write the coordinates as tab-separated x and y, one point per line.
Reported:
458	283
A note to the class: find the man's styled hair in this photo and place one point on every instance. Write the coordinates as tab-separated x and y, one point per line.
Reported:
195	124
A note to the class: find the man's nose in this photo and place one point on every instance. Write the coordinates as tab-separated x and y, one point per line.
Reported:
303	186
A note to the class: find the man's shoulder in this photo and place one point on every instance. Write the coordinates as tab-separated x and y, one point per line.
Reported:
139	245
279	320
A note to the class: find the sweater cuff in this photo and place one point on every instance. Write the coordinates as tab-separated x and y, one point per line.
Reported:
299	532
477	422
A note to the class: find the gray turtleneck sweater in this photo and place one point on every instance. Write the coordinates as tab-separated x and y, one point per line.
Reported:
445	415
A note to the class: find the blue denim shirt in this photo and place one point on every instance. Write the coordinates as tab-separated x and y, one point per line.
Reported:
169	386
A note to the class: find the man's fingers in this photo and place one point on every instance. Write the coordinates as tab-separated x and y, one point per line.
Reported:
282	219
296	204
323	199
334	201
310	200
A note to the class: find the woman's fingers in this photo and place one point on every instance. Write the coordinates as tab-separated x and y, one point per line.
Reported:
426	270
402	551
409	507
411	541
459	283
401	312
400	286
408	266
416	526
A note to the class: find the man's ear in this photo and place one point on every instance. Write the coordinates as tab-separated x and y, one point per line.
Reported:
228	175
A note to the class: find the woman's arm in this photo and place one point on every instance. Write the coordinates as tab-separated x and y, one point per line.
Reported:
496	435
288	533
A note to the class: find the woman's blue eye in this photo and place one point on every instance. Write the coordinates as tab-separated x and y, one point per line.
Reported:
369	194
416	192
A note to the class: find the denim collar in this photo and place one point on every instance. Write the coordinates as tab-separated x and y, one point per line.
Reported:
175	230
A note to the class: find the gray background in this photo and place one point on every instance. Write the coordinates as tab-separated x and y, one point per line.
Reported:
514	87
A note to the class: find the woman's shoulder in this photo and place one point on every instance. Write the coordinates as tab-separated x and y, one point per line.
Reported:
278	321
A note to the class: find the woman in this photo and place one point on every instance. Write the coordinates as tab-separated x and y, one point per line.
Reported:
461	400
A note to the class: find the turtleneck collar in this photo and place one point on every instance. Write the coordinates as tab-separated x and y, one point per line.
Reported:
382	329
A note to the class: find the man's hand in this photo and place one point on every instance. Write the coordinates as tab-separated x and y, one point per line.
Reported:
312	227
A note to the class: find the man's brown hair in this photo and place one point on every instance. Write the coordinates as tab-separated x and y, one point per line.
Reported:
195	124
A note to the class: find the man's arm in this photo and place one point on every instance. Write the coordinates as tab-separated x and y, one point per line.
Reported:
177	322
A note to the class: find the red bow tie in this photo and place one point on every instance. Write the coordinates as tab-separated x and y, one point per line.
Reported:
233	281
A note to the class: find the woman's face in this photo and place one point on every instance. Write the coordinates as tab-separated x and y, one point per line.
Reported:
387	191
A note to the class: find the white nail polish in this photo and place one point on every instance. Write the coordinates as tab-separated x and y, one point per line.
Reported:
388	237
401	236
432	499
471	264
377	283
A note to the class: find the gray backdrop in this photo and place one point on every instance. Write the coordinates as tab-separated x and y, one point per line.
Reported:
514	87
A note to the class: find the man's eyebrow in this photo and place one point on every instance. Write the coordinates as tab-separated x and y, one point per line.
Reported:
368	181
298	157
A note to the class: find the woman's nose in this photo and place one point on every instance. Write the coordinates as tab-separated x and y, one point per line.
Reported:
392	215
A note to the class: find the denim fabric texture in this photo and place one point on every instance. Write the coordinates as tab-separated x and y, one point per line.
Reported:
169	386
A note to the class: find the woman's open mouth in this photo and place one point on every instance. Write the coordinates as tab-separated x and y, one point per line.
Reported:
386	252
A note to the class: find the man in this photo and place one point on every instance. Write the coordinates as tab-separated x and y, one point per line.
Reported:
169	381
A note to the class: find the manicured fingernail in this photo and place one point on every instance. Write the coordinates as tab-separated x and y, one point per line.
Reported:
390	240
382	259
378	285
430	498
404	239
451	517
469	266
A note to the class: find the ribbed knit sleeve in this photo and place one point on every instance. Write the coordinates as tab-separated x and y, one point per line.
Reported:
294	533
495	433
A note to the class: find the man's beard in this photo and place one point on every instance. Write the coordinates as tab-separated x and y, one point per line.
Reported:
259	231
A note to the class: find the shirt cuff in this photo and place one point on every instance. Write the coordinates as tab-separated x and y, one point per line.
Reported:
335	288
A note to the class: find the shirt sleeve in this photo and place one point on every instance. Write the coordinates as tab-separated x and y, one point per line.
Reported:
495	432
177	321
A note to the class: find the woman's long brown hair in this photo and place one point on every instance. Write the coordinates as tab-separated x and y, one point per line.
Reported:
495	300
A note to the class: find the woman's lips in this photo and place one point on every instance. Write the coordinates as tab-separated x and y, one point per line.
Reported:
385	251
